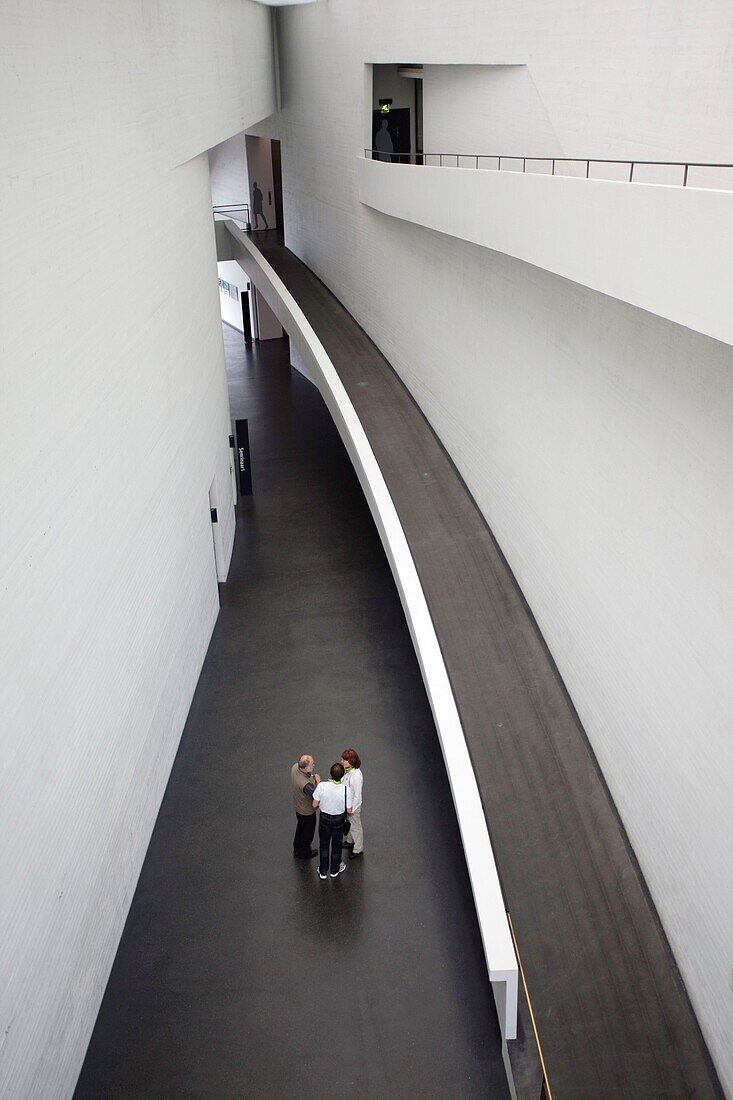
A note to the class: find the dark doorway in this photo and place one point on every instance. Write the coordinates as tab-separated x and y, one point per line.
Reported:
391	135
277	182
418	122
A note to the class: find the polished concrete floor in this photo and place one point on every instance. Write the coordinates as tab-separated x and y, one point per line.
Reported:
239	973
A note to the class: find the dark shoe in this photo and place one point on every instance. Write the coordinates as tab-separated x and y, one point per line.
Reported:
348	844
356	855
306	855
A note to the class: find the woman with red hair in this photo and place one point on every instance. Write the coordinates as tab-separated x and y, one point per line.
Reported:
354	780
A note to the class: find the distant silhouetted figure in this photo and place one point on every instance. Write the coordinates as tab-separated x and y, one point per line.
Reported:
257	211
383	142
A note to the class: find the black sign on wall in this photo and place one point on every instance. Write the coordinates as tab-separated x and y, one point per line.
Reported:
243	463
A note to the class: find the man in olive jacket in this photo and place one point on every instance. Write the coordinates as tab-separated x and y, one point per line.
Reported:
304	781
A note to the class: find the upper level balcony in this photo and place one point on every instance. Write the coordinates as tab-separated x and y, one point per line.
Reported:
662	246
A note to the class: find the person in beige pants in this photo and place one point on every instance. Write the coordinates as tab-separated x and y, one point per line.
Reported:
354	779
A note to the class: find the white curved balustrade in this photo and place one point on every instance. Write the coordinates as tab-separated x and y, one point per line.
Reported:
663	248
492	918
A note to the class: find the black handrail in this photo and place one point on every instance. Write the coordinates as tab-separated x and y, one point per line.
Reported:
422	158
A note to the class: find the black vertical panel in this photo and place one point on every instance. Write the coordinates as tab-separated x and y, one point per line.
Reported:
243	461
277	181
246	322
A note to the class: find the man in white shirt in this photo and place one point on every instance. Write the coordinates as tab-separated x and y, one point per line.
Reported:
334	800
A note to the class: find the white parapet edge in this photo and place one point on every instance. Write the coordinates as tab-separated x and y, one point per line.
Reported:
501	960
659	247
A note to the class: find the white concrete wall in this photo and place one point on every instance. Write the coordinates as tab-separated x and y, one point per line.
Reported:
635	78
485	109
665	249
596	437
518	111
228	168
298	363
113	423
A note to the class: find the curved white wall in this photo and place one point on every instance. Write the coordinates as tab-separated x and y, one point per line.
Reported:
114	422
665	249
596	437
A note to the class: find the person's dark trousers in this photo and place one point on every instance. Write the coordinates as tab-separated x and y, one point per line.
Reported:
331	835
304	833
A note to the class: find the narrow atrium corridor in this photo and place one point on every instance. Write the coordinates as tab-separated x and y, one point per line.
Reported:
239	973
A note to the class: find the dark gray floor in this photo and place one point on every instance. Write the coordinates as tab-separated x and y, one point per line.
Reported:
239	973
613	1017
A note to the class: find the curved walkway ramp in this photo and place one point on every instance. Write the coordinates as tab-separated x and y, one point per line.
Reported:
239	973
611	1013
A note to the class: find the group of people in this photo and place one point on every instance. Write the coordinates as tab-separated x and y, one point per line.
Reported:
338	801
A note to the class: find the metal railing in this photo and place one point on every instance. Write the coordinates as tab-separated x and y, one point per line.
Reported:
238	212
545	1090
478	160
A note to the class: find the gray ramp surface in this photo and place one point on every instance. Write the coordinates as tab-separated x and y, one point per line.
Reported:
613	1017
240	973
